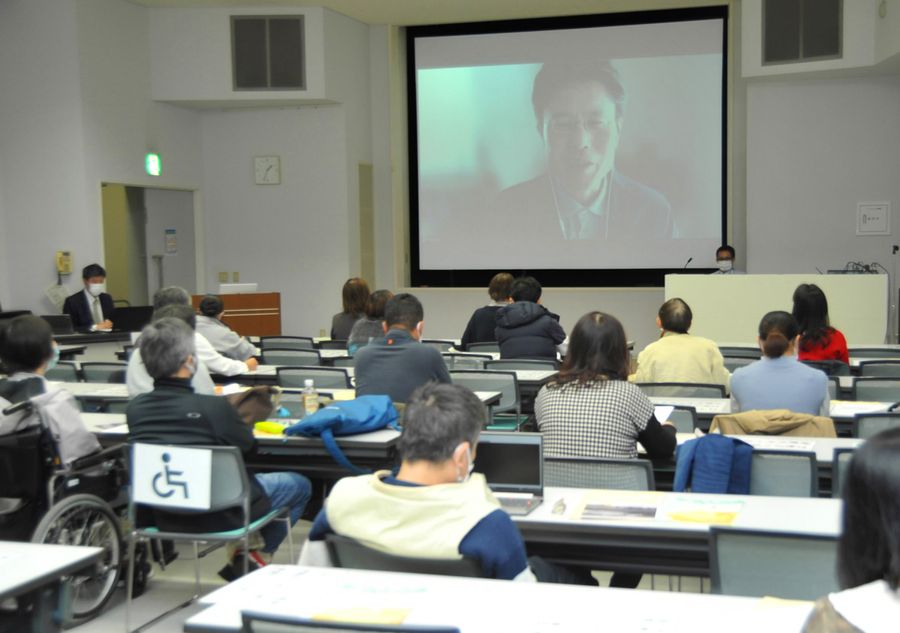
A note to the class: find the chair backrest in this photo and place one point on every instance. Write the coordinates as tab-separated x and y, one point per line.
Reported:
760	563
684	418
22	468
347	552
839	463
485	380
259	622
465	361
784	473
865	425
343	361
740	351
441	345
879	389
874	352
736	362
483	347
65	371
521	363
830	367
880	368
834	387
594	472
335	343
286	342
682	389
104	372
323	377
292	357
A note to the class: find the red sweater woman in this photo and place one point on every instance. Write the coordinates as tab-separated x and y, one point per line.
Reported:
818	340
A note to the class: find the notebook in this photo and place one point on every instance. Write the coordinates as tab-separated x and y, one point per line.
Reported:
59	323
513	464
132	318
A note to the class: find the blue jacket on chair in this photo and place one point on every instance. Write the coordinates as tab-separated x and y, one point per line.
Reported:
713	463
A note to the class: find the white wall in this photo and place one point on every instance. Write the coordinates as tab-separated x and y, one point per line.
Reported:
290	237
887	31
170	209
815	149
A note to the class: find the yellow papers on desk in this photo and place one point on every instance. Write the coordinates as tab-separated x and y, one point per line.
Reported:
363	615
690	509
612	505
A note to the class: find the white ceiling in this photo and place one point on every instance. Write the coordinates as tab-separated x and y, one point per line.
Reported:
407	12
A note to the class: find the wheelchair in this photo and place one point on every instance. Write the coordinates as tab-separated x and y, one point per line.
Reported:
83	505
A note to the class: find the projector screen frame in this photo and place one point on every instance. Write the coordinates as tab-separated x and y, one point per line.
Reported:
572	277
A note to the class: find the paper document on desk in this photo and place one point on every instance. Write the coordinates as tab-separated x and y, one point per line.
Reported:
779	443
849	408
691	509
612	505
662	412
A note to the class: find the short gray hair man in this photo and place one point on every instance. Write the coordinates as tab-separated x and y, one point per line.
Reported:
438	418
170	295
165	346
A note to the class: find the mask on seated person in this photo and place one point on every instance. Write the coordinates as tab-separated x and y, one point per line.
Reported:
725	265
54	359
96	290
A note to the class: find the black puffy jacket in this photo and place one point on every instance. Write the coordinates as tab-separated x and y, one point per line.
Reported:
528	330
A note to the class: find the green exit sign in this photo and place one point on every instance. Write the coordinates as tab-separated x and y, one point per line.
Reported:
153	164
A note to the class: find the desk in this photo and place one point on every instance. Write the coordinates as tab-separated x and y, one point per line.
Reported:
31	575
296	591
68	352
87	338
662	544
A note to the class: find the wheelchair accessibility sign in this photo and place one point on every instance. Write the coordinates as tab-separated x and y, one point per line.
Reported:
171	476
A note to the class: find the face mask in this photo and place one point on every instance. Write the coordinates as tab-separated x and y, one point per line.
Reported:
96	289
53	359
191	366
462	479
724	265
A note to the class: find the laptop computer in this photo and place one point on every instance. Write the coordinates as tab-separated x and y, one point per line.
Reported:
513	464
59	323
131	318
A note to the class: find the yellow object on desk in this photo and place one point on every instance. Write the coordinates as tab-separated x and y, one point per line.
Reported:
272	428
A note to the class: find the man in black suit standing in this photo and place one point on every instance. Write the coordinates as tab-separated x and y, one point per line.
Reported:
91	308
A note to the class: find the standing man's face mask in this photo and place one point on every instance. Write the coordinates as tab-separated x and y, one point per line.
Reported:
725	265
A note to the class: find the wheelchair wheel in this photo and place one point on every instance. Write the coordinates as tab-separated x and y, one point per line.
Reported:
85	520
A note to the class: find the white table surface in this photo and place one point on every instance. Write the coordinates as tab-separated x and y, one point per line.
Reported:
29	565
94	389
465	603
823	447
715	406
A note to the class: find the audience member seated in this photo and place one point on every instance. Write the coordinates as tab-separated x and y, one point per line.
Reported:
210	361
173	414
434	507
398	363
869	547
354	294
91	308
371	326
27	351
725	261
483	322
678	356
779	380
223	339
818	340
525	328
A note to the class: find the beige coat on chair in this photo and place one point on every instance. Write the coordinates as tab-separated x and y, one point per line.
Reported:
773	422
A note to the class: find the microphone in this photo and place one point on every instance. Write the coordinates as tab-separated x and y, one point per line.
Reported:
690	259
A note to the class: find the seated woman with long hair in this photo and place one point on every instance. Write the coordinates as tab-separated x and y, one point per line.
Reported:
869	548
590	409
778	380
818	340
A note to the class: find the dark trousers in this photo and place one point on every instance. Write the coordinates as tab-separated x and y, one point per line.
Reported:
546	571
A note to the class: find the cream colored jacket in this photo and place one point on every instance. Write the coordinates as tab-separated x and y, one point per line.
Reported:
682	358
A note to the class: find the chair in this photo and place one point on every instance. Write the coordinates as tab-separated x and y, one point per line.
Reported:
874	352
259	622
163	478
594	472
483	348
865	425
834	387
830	367
322	377
521	363
334	343
784	473
286	342
441	345
104	372
682	390
343	361
684	418
740	351
889	368
736	362
291	357
503	381
839	464
877	389
65	371
465	361
349	553
761	563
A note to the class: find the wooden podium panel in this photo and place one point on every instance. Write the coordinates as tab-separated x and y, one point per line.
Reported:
252	313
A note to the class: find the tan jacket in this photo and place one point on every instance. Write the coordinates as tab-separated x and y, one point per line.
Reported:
682	358
773	422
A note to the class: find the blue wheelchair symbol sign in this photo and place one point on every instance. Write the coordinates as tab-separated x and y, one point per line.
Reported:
167	488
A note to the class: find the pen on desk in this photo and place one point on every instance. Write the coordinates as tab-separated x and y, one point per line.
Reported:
559	507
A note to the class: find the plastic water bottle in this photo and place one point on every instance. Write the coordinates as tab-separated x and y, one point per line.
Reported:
310	397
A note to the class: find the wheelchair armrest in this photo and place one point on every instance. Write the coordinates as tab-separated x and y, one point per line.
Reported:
94	459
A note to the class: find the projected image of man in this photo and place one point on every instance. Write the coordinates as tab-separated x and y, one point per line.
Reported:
579	111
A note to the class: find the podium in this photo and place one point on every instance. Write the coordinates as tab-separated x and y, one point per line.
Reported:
252	313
